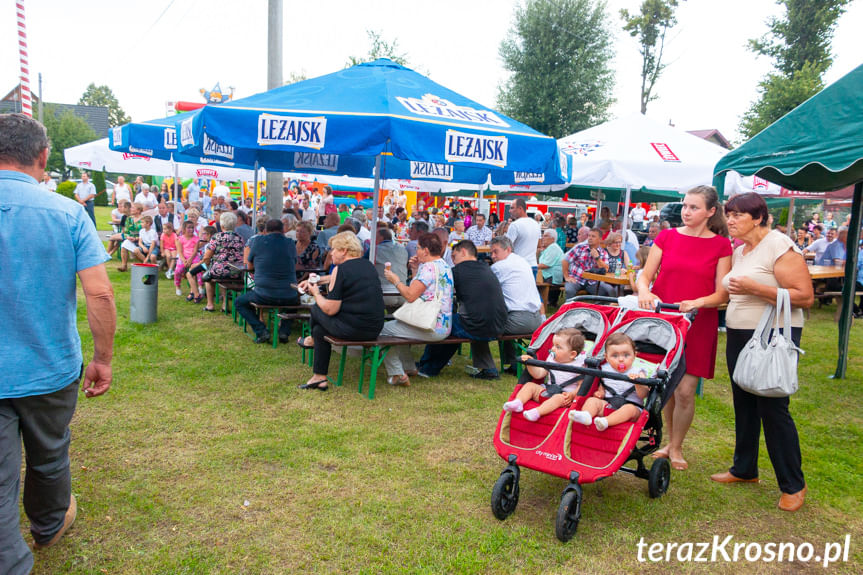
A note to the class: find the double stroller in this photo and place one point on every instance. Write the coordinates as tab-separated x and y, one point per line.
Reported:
577	452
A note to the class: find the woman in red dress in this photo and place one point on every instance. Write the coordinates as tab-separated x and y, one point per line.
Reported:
691	261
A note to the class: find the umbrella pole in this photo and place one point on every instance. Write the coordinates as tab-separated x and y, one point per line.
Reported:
849	288
789	223
176	190
374	235
628	196
255	200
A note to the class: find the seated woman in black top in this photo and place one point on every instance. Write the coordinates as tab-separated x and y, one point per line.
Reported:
353	308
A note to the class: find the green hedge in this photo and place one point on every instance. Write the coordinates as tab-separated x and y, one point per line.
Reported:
67	189
101	198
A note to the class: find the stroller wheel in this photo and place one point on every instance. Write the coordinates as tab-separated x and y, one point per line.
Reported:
660	476
504	495
568	514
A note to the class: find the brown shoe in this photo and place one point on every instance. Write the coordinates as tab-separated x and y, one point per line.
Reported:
727	477
399	380
67	523
792	501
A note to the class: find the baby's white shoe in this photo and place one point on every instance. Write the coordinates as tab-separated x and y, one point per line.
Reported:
581	417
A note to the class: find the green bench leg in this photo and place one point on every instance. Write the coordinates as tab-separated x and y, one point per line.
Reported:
522	349
377	360
276	320
342	367
305	331
365	356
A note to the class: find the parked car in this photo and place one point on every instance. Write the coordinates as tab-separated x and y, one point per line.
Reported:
671	213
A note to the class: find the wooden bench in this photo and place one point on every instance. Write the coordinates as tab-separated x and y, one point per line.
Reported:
839	296
274	315
305	330
233	289
375	350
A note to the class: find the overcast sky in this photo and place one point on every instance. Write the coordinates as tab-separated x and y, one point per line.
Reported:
154	51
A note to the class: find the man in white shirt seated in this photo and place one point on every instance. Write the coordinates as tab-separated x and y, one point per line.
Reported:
443	236
524	233
518	283
146	198
416	229
363	234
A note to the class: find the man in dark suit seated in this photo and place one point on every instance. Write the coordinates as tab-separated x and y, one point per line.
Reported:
481	313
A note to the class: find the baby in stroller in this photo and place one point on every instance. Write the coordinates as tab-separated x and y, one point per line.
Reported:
567	349
626	400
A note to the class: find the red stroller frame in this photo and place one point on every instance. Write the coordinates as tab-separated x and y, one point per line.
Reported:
579	453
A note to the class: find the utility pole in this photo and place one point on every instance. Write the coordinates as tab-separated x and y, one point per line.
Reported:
275	194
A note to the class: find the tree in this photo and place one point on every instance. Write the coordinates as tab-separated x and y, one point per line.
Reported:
64	131
380	48
559	55
778	95
295	77
103	96
799	43
650	26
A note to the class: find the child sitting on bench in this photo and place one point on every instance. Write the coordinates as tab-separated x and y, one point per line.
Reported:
567	349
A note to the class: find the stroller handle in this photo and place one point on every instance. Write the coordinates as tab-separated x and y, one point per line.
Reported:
648	381
660	307
690	315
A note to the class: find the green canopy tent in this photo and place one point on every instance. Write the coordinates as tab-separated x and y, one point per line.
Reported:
817	147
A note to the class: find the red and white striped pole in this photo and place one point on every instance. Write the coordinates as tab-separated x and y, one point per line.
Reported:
26	100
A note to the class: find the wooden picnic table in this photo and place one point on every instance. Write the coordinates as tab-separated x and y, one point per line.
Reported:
826	272
621	282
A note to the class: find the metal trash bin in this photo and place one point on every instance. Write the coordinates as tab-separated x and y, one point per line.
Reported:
144	294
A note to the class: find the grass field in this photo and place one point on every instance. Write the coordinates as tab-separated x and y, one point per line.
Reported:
205	458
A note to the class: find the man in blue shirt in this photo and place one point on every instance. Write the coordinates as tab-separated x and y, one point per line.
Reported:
273	258
41	352
835	252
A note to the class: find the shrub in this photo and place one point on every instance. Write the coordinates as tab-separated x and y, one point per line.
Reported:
101	198
67	189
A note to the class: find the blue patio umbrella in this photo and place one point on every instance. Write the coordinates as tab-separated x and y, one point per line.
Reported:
374	112
377	119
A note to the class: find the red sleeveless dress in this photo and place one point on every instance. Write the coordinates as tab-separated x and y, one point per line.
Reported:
688	271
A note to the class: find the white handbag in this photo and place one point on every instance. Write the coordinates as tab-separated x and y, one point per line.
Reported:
421	314
768	367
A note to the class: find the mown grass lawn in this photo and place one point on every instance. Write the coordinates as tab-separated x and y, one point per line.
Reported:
205	458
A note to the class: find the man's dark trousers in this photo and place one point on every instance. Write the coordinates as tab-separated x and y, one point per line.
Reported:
42	421
245	309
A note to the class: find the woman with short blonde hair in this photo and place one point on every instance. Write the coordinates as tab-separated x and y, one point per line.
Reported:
347	241
353	308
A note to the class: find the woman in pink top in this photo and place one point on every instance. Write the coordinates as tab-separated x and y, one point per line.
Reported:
185	252
691	261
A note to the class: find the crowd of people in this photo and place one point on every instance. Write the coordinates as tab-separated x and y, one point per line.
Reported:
720	254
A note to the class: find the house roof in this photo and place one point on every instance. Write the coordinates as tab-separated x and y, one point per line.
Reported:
95	116
714	136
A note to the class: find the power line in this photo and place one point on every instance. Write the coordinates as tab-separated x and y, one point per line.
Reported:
153	25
